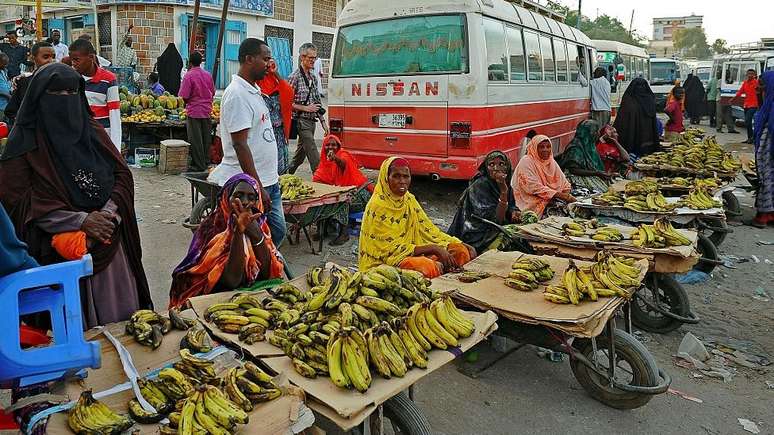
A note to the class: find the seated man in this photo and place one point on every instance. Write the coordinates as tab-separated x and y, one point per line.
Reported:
538	180
339	168
397	232
232	247
489	196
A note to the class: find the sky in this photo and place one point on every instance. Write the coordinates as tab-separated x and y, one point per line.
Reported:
734	21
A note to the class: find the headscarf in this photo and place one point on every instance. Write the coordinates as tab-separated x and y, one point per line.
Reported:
481	199
764	118
330	173
694	95
671	96
169	65
394	225
31	168
272	84
535	181
639	90
582	153
63	122
201	269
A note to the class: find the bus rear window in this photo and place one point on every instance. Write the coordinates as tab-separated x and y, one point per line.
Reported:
413	45
663	73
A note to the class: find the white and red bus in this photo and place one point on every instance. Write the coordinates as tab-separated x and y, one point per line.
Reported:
444	82
624	63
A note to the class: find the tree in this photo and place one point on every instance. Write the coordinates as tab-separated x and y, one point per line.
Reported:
602	27
720	47
691	42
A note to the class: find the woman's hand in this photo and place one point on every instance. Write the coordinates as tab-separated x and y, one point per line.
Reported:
244	217
566	197
99	225
500	177
444	257
516	216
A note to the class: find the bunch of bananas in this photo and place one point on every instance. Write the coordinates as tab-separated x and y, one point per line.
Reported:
707	183
148	327
179	322
243	314
640	187
675	181
573	229
609	276
293	187
706	155
529	217
206	410
471	276
752	167
652	202
659	235
699	199
609	199
527	273
249	385
196	340
608	234
90	416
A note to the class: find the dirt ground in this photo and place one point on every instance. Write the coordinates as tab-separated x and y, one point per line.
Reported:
527	393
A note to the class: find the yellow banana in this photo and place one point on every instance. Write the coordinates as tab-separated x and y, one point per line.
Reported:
397	366
414	328
335	364
378	359
437	328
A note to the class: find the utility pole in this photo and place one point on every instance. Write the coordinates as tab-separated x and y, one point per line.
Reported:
39	20
631	24
577	23
221	30
194	27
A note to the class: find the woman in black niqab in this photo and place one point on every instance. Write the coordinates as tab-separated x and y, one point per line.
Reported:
169	65
636	119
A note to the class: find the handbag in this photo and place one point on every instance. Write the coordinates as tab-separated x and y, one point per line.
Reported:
294	121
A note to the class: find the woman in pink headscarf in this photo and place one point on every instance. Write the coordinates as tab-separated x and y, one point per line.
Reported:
538	179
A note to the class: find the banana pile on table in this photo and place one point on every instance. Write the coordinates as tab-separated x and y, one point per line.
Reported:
609	276
652	202
699	199
246	315
149	327
610	198
706	183
90	416
640	187
293	187
527	273
706	155
592	229
659	235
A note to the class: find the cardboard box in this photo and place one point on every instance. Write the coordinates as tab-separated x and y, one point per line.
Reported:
173	157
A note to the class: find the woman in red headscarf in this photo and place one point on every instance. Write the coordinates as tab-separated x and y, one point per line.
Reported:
340	168
278	95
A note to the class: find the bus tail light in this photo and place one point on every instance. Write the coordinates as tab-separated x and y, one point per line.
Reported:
336	125
460	132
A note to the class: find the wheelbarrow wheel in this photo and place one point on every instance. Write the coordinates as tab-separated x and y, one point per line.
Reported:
405	416
731	203
717	237
708	250
634	366
672	298
200	210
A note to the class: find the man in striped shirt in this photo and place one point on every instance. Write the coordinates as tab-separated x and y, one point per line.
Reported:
101	88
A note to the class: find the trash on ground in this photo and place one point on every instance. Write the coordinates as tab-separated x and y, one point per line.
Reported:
169	221
770	385
692	348
755	259
765	242
685	396
748	425
692	277
759	294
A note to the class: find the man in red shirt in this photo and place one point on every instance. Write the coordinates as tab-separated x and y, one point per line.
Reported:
749	89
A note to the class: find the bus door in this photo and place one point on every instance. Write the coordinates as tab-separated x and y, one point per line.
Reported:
397	115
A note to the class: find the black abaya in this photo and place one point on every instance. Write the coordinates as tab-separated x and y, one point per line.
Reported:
169	65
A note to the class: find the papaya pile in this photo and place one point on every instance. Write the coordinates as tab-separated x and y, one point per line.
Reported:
147	107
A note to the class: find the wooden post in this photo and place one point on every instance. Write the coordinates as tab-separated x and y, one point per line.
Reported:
218	49
577	23
96	25
39	20
194	25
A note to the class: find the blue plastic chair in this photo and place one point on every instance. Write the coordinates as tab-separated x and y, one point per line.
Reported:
53	289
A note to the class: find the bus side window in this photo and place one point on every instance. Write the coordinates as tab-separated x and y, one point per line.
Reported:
560	50
549	67
574	62
516	54
534	60
496	60
732	73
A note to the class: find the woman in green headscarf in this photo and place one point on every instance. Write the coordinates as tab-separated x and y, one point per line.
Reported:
581	161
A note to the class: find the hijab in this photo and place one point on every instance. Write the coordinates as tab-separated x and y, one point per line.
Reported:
640	91
169	65
764	118
535	181
63	123
393	225
328	172
272	84
582	150
548	170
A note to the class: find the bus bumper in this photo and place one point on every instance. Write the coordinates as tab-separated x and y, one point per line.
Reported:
453	167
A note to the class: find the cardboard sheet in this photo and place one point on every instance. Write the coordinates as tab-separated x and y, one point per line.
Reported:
659	263
275	417
256	350
585	319
323	194
680	211
550	230
352	407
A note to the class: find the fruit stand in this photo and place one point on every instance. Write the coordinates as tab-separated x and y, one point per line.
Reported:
610	364
662	305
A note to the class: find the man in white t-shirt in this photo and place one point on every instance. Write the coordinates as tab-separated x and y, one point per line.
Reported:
600	97
247	134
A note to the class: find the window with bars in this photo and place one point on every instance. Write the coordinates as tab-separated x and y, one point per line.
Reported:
324	44
279	32
105	34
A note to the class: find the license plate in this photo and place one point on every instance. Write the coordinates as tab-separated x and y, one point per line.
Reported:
392	120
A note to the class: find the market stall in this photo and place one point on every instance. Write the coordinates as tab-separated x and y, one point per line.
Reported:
125	362
662	305
598	350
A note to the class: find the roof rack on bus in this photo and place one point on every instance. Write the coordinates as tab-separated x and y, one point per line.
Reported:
542	10
763	44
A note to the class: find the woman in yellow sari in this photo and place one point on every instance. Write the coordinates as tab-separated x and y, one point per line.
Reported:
396	231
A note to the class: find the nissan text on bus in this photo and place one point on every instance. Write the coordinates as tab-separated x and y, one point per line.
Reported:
623	63
444	82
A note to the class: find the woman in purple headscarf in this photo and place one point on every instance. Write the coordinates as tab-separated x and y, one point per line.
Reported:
231	248
764	152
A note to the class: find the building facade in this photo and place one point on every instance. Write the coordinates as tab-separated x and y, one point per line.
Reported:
284	24
665	27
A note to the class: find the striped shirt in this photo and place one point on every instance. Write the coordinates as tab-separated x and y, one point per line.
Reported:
102	95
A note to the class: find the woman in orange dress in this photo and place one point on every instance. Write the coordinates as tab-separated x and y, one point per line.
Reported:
538	179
